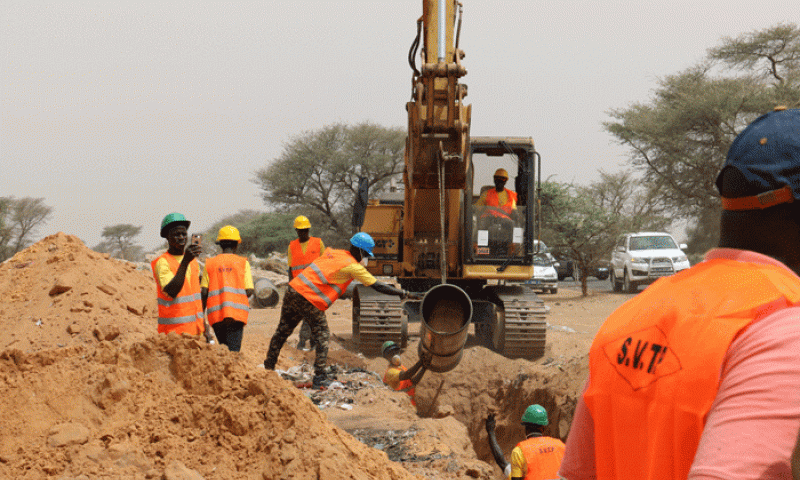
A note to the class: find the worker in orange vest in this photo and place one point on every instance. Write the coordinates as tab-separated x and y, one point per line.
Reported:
697	376
398	377
535	458
225	287
501	200
177	276
302	251
314	291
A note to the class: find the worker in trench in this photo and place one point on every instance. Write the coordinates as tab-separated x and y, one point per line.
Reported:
301	252
538	457
315	289
400	378
697	376
177	276
226	285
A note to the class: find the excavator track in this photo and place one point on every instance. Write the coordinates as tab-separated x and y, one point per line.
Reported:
521	326
377	318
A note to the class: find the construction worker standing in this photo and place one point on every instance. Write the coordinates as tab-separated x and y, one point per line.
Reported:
697	376
225	287
315	289
398	377
302	251
177	276
535	458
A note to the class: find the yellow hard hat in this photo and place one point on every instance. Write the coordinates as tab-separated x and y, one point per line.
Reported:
501	172
302	222
229	232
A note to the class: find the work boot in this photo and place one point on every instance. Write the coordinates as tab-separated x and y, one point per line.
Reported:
320	381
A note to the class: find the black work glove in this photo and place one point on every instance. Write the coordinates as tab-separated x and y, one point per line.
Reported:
411	295
490	423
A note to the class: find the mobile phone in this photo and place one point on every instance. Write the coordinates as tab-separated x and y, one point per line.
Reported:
196	238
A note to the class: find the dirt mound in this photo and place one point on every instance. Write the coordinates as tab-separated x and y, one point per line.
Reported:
58	293
131	411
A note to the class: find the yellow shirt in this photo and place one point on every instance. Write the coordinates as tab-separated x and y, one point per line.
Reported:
356	271
248	277
303	247
165	275
392	377
518	465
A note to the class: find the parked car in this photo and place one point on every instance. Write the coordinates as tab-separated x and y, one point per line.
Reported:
545	278
644	257
568	268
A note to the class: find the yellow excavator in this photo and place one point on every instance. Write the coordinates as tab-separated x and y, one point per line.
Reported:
434	234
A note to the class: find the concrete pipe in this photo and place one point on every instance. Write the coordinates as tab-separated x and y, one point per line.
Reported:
446	313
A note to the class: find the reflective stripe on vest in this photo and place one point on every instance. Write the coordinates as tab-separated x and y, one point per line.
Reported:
300	260
655	363
227	295
542	457
493	200
313	283
184	313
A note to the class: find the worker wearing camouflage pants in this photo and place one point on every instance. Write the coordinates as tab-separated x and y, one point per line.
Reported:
295	309
316	288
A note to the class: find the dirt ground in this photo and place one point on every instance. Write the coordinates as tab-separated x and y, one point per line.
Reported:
91	391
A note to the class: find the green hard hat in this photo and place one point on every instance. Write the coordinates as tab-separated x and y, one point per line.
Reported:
387	345
535	414
172	220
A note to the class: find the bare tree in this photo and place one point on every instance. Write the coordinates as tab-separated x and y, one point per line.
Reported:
20	219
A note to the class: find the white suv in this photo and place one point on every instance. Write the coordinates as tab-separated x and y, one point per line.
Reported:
644	257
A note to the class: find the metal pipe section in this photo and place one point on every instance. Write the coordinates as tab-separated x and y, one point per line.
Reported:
446	313
266	295
442	30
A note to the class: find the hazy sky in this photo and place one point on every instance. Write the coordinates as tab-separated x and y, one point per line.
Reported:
121	112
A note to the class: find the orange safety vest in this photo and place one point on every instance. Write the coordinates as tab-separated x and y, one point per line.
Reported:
655	363
404	385
302	260
227	296
184	313
542	457
313	284
493	200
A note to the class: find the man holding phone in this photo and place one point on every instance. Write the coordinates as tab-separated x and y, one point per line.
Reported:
177	276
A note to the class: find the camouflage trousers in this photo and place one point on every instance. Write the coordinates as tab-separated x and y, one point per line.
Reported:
294	310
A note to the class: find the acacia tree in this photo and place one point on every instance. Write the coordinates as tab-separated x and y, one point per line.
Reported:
678	141
584	221
118	240
262	233
318	173
19	220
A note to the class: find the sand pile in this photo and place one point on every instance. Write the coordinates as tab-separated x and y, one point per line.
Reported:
59	293
91	391
167	403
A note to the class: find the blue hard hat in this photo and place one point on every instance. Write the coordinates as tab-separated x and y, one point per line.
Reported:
767	154
364	242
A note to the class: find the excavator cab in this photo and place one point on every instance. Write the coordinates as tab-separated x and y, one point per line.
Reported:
500	235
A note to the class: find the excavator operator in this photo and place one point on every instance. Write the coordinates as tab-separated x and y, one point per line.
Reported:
500	204
501	200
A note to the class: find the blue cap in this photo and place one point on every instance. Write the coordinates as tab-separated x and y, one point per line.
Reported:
767	154
364	242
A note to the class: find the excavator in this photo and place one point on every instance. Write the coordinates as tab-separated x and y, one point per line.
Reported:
435	234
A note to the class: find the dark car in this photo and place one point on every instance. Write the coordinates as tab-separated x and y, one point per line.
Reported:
568	268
